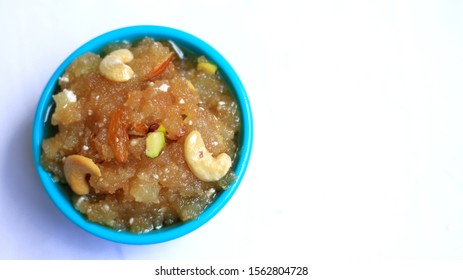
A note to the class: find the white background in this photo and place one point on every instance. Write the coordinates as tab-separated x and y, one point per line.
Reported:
357	105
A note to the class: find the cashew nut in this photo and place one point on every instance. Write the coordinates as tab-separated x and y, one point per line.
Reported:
114	68
76	168
201	162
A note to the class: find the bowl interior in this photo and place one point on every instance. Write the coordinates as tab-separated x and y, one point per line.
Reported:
42	128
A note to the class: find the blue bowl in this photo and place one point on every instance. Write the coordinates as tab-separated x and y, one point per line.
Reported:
42	129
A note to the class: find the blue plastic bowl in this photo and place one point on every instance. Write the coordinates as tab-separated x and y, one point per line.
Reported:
58	193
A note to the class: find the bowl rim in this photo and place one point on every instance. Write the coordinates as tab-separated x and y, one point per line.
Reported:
133	33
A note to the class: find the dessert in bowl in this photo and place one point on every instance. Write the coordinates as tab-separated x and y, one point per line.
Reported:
142	134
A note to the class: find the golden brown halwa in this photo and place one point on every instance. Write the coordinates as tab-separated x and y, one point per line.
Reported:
108	122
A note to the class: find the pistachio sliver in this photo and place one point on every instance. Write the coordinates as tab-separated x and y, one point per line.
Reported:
207	67
155	142
161	128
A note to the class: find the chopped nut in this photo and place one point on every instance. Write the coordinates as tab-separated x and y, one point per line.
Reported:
206	66
155	142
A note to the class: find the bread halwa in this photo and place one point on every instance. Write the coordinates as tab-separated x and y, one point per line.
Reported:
146	135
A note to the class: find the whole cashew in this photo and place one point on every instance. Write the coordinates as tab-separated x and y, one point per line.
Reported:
201	162
76	168
114	68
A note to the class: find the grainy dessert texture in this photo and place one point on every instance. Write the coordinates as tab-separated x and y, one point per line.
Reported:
108	117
